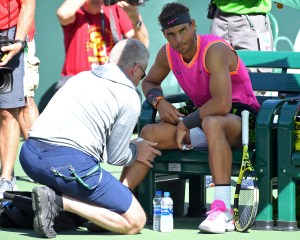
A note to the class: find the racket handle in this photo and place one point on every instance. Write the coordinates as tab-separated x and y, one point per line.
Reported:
245	127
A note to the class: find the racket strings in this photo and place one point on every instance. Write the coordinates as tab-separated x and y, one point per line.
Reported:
246	199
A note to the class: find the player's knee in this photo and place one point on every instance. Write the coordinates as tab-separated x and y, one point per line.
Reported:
210	123
148	133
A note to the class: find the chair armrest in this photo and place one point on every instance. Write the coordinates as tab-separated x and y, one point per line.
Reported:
147	116
287	117
267	112
177	98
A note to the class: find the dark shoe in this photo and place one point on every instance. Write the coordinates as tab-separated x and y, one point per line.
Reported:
63	222
45	209
92	227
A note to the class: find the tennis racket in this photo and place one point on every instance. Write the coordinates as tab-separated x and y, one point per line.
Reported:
246	192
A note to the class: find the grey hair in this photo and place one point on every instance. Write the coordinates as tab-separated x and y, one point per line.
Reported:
128	52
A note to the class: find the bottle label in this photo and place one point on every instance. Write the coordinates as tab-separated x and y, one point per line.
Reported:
166	211
156	210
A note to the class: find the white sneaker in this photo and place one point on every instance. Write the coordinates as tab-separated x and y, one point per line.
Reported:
219	219
5	185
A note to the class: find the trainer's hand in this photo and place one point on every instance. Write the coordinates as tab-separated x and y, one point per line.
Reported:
167	112
147	152
11	50
183	136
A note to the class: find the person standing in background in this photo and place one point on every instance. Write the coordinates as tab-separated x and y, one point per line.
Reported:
16	18
243	24
29	112
91	29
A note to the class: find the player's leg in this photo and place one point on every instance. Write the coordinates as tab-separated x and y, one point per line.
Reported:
165	135
222	134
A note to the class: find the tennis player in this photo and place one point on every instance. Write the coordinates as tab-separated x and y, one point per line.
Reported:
213	76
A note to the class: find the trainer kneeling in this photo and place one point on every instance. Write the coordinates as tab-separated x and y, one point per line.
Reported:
88	122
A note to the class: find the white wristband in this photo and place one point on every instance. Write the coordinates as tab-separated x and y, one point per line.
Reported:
139	139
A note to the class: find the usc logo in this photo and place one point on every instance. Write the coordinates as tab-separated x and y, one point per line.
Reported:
98	46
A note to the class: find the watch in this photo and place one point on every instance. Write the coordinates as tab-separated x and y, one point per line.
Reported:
23	43
156	100
138	24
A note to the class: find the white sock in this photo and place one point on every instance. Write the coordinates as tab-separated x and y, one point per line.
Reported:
223	193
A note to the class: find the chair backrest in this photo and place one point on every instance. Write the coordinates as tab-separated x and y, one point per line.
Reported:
280	81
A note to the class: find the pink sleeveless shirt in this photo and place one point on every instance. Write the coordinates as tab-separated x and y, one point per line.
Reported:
194	77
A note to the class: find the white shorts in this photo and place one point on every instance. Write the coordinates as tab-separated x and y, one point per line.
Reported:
198	138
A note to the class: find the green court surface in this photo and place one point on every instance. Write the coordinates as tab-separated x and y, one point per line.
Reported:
185	228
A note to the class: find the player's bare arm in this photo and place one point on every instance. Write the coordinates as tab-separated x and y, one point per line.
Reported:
220	60
155	77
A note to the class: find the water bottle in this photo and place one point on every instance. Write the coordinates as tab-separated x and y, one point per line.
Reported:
156	210
166	219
